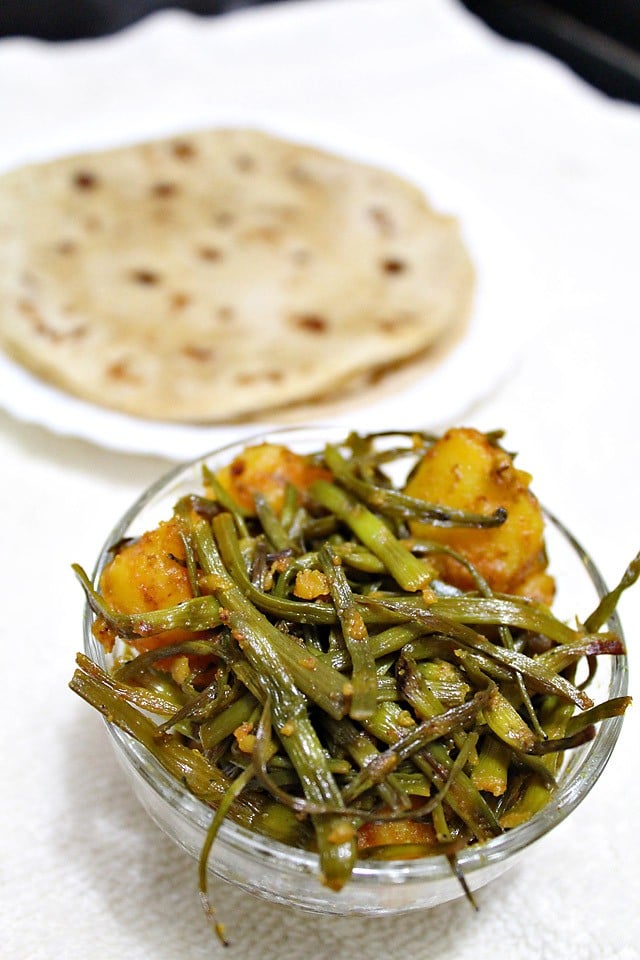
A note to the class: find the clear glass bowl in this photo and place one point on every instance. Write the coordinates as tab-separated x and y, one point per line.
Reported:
286	875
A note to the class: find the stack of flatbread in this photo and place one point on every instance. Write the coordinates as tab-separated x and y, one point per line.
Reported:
222	274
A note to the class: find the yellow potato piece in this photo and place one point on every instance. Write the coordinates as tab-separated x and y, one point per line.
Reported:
267	469
149	574
465	471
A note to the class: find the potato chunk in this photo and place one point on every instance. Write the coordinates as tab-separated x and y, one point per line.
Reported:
464	470
149	574
267	469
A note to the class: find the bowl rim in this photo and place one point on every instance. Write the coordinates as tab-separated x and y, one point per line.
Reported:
265	850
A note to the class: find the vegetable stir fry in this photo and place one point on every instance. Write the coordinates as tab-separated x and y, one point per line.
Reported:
352	651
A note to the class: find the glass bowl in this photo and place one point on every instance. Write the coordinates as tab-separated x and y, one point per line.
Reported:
283	874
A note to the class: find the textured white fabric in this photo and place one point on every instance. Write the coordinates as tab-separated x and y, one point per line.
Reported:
84	875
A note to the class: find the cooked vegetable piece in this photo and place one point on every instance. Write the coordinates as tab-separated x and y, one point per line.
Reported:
403	835
466	470
268	469
410	573
356	637
149	574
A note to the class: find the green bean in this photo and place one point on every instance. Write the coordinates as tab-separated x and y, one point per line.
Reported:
317	679
358	558
518	612
555	715
440	825
362	749
504	632
298	611
609	602
273	528
413	783
507	724
560	744
143	662
319	528
295	610
266	648
603	711
200	613
187	766
386	689
224	498
400	505
336	847
445	681
471	805
190	558
389	724
290	508
363	675
214	731
434	804
149	700
477	665
558	658
208	702
434	728
410	573
383	643
232	793
534	671
490	774
415	688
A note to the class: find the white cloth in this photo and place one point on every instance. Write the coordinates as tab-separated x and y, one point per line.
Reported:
84	874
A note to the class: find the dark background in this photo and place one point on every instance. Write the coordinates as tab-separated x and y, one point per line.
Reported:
599	39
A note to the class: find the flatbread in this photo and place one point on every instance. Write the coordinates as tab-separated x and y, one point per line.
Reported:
221	274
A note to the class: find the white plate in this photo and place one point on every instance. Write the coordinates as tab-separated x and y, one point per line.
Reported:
476	366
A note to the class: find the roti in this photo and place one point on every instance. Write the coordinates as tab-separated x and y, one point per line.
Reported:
221	274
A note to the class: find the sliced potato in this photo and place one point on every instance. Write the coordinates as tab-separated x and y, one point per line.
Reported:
149	574
466	471
267	469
